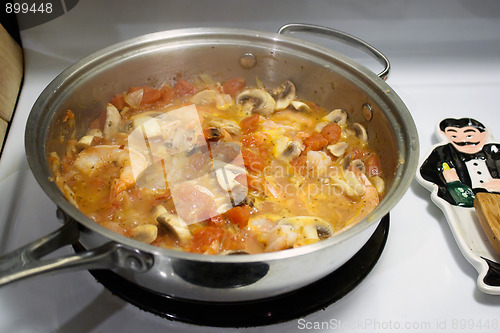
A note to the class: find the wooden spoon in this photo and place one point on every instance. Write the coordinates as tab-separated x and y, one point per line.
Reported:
487	207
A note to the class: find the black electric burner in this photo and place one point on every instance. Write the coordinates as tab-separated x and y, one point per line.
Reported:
281	308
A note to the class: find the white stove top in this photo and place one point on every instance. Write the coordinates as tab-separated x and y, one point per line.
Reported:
445	62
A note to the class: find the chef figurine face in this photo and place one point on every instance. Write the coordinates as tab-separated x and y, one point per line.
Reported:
468	139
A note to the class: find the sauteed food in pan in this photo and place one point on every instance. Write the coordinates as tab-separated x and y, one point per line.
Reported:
220	167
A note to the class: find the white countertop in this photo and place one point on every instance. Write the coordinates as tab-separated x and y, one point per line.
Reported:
445	60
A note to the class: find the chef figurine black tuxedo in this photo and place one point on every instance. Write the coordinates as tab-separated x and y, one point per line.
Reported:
467	158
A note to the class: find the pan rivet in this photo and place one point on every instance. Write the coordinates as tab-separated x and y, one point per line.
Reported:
133	263
248	61
367	111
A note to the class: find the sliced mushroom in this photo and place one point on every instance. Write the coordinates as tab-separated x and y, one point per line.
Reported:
358	165
229	125
226	176
257	101
323	233
338	116
338	149
379	183
360	131
319	126
293	149
353	165
225	179
113	119
85	141
212	134
204	97
288	149
149	126
300	106
284	95
173	223
346	162
145	233
94	132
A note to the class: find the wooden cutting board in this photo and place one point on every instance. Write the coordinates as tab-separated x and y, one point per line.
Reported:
488	211
11	73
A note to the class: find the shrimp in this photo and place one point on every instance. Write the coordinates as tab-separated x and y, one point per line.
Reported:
370	199
131	163
292	119
318	162
356	186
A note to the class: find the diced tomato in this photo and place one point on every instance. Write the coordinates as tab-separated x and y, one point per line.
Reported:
217	221
239	215
256	140
250	124
357	154
98	123
167	94
299	163
184	88
118	101
372	165
203	238
331	132
234	242
253	162
316	141
150	95
259	144
233	86
250	140
256	183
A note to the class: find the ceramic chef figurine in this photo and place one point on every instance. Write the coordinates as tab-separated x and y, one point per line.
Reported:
456	170
464	166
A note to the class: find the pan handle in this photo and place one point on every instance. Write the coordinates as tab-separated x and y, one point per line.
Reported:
341	36
28	260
